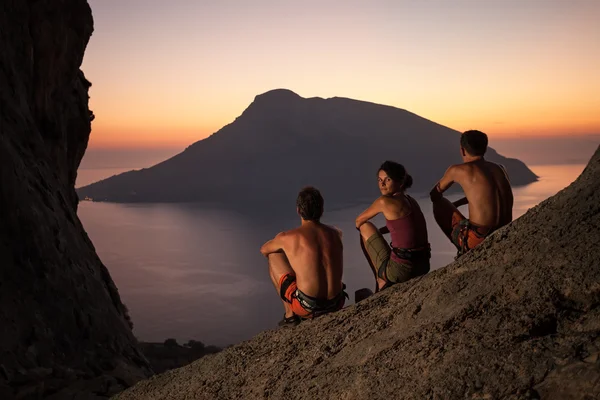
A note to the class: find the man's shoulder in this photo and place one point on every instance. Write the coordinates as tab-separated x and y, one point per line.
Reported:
459	170
287	235
458	167
290	233
333	229
498	166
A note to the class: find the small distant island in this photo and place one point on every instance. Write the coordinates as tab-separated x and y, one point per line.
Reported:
282	142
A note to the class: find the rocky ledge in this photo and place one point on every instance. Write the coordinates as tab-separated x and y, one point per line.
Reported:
517	318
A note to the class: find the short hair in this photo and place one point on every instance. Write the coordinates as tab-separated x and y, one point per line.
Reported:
397	172
310	204
474	142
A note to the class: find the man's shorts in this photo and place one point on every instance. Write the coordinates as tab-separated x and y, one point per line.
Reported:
389	269
287	291
465	236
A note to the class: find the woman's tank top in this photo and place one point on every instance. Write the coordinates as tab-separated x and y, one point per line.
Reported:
408	232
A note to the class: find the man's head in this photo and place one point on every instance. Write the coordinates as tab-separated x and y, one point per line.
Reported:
310	204
473	143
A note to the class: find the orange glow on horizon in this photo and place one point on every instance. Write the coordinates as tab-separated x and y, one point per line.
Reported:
105	139
156	131
172	73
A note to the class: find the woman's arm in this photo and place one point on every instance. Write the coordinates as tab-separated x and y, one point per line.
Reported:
370	212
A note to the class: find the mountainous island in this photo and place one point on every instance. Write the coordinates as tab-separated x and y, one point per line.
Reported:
282	142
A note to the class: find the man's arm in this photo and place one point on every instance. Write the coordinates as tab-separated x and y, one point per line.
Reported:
444	184
370	212
274	245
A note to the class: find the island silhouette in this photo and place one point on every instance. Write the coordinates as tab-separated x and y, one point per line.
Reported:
283	142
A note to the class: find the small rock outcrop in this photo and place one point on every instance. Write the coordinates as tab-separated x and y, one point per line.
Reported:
64	332
516	318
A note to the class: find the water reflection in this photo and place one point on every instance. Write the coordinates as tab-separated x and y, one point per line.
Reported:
189	272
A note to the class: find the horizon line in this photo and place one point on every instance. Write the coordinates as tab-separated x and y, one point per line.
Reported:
183	145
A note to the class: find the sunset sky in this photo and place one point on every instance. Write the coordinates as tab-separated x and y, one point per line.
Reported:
169	73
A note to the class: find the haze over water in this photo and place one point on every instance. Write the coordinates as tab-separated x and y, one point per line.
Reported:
190	272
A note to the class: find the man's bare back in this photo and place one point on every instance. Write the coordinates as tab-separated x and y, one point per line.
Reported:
488	192
306	263
315	253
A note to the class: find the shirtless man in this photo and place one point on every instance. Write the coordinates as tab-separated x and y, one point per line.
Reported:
305	263
487	190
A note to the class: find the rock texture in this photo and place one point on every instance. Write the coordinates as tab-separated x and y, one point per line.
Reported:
517	318
170	355
64	332
282	142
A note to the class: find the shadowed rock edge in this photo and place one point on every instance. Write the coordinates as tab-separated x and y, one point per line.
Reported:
64	331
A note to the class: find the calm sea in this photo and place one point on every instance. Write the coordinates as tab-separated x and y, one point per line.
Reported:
190	272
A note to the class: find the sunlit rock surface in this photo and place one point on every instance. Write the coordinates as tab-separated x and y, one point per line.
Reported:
516	318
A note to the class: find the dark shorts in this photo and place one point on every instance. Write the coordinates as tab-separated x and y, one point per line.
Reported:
388	268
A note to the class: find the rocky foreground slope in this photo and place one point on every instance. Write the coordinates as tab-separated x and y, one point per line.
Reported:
64	332
517	318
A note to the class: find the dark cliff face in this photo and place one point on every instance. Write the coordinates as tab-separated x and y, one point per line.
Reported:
282	142
516	318
63	328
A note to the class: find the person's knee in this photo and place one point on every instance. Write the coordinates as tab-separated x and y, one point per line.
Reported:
364	227
367	229
441	204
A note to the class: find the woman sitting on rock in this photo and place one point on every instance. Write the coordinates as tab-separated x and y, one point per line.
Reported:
408	254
